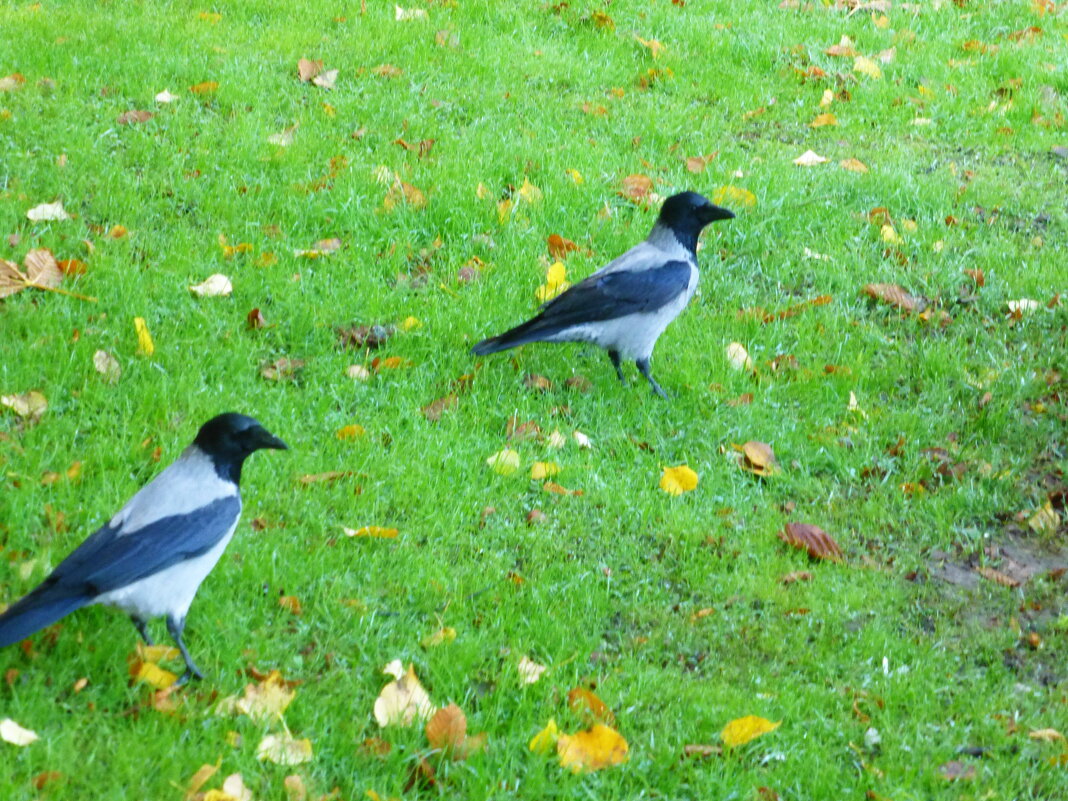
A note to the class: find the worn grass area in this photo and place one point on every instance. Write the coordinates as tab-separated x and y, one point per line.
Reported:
610	580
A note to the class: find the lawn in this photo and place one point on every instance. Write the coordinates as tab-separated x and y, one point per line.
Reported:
924	433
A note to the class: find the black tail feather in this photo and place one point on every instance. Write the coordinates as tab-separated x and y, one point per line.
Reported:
530	331
42	607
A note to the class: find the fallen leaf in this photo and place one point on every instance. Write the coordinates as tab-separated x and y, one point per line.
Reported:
866	66
165	97
399	192
284	138
560	247
374	532
154	676
402	701
844	49
742	730
539	471
214	286
813	539
47	212
326	80
442	636
1045	521
734	196
204	88
291	604
145	345
758	458
1046	735
281	369
545	740
387	71
996	576
433	411
738	357
697	164
350	432
585	702
810	159
529	672
555	283
409	14
308	69
895	296
42	269
199	779
133	117
284	749
655	48
255	319
504	462
447	728
107	365
853	165
598	747
823	120
637	187
797	575
956	770
263	702
701	751
233	787
29	405
677	480
11	732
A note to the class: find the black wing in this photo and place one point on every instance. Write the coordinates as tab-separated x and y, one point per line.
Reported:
109	559
617	294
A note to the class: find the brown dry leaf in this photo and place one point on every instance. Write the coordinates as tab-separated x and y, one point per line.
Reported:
42	269
365	336
403	700
701	751
307	69
387	71
263	702
758	458
637	188
433	411
598	747
797	575
72	267
895	296
654	46
977	276
291	604
107	365
853	165
822	120
133	117
255	319
447	729
321	478
585	703
536	382
400	192
1046	735
813	539
990	574
844	49
697	164
560	247
281	369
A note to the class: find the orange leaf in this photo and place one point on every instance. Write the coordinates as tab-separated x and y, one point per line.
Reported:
637	187
895	296
560	247
818	543
204	88
594	749
585	703
758	458
447	729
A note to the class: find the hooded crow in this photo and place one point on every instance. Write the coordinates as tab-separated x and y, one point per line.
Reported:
152	556
626	305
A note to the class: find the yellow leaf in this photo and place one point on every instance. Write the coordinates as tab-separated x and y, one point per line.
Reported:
209	16
504	462
329	110
575	176
30	405
411	323
890	236
266	701
442	636
200	778
868	67
204	88
375	532
529	193
555	283
156	653
350	432
677	480
545	740
734	196
853	165
823	119
543	470
1048	735
738	357
504	209
740	731
827	98
593	749
154	675
655	47
284	749
145	346
403	701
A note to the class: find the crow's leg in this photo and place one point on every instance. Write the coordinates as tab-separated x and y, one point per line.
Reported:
142	628
614	356
643	366
176	627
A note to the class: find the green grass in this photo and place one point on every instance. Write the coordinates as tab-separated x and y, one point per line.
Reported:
613	577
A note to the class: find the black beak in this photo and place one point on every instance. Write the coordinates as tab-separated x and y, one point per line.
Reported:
265	439
712	213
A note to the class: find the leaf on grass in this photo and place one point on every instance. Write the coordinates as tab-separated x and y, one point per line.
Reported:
701	751
797	575
409	14
844	49
442	636
204	88
284	749
758	458
895	296
1046	735
401	192
956	771
996	576
529	671
326	80
697	164
810	158
291	604
433	411
823	120
545	740
13	733
233	787
165	97
1046	520
655	48
145	345
813	539
402	701
200	778
107	365
742	730
263	702
374	532
133	117
596	748
585	703
153	675
42	268
677	480
637	187
447	731
853	165
321	478
285	137
734	196
866	66
214	286
47	212
350	432
559	247
29	406
555	283
504	462
738	357
387	71
308	69
281	369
